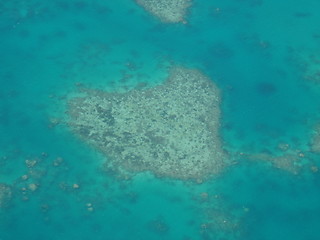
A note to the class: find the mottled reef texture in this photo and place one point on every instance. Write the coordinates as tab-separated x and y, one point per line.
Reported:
310	64
171	130
290	162
5	195
315	141
167	11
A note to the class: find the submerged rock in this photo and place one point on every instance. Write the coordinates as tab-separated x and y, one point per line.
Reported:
171	130
167	11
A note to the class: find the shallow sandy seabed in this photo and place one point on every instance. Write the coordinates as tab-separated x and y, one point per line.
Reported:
171	130
168	11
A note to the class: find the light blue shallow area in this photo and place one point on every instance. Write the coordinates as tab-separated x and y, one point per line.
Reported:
250	48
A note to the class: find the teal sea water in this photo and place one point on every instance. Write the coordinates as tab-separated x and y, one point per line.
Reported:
263	55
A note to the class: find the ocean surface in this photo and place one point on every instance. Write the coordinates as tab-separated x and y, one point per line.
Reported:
263	55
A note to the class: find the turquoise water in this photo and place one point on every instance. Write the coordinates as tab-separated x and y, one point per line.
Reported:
252	49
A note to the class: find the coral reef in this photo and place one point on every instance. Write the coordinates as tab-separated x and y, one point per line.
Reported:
220	225
5	195
158	226
171	130
311	67
315	141
291	162
167	11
